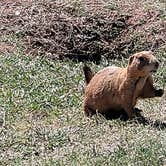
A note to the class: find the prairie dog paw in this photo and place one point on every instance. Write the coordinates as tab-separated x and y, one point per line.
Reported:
159	92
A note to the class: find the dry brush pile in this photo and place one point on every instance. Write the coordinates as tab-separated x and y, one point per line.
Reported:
81	30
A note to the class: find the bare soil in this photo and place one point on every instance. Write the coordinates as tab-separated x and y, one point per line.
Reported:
82	30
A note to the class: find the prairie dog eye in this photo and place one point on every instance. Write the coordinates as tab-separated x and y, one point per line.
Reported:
142	59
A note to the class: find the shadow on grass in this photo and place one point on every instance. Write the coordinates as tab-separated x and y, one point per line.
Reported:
157	124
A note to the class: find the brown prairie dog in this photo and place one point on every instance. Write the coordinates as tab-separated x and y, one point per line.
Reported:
115	88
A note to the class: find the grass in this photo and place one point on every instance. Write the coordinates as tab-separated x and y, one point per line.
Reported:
42	123
41	117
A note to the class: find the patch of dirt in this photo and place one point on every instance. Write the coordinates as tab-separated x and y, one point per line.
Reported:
6	47
82	30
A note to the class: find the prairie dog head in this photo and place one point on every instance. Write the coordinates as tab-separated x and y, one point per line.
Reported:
143	63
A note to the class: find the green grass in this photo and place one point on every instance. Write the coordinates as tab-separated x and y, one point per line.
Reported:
42	122
41	117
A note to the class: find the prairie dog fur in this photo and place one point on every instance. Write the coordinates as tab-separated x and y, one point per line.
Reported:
116	88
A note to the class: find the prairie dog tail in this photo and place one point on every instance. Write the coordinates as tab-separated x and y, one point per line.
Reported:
88	74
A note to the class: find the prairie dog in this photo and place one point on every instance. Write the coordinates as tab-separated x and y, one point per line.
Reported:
116	88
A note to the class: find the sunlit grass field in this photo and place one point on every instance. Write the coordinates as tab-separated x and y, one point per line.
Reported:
42	122
41	116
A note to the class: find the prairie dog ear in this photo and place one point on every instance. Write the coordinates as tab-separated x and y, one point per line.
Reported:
131	59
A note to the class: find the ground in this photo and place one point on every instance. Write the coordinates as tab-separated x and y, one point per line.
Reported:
42	122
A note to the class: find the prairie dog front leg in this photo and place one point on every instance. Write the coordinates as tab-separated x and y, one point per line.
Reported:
139	86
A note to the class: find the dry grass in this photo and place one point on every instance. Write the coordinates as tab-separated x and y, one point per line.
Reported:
83	30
